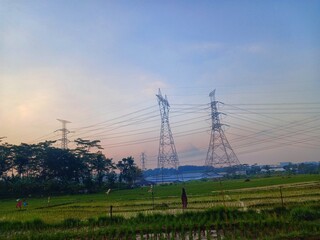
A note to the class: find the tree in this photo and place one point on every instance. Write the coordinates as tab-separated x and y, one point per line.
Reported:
61	164
83	153
254	169
22	159
6	155
112	178
84	146
97	166
129	172
101	166
307	168
39	157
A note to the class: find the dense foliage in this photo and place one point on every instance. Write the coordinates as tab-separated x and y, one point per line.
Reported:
43	169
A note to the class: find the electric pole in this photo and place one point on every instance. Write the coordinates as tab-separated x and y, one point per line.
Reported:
143	161
64	140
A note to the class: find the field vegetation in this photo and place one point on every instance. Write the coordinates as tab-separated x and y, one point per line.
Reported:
283	207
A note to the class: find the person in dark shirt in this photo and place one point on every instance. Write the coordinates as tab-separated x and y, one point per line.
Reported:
184	198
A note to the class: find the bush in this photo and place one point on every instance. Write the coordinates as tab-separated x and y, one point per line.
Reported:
71	222
280	210
304	213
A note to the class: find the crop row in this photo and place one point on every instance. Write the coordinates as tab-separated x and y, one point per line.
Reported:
226	222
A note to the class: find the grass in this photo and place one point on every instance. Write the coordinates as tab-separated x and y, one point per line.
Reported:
73	216
201	195
229	222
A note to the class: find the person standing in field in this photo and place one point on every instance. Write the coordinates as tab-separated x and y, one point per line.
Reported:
184	199
19	203
25	203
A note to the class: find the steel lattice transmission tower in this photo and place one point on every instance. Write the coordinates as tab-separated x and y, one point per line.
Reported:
143	161
167	155
64	140
220	152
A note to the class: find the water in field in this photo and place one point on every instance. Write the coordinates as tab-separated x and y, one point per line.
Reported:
200	235
182	177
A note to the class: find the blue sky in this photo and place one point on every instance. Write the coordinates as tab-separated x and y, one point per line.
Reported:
96	61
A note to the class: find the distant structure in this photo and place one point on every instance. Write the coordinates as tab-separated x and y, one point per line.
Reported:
64	140
167	156
143	161
220	154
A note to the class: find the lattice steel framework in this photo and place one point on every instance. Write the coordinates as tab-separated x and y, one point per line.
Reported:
143	161
167	156
220	152
64	139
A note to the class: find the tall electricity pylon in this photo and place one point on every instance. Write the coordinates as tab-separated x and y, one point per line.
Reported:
220	153
167	156
64	140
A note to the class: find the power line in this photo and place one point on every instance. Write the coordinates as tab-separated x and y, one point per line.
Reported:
261	123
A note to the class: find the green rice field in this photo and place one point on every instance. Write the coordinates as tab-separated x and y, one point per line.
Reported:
226	207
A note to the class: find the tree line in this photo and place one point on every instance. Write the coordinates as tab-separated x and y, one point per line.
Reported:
44	169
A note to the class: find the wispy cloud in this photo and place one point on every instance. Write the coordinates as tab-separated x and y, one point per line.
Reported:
190	151
207	46
254	48
152	87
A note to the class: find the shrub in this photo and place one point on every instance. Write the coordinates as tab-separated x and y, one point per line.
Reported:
280	210
71	222
304	213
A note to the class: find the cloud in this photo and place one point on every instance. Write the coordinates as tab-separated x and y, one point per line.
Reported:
28	109
190	151
217	47
207	46
151	88
204	47
254	48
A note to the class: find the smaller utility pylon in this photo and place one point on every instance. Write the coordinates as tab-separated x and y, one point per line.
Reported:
143	161
64	140
220	153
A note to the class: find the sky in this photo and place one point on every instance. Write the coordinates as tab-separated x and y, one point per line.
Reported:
100	64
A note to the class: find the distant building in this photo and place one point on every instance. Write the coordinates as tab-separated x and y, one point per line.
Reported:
223	173
273	169
241	173
278	169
